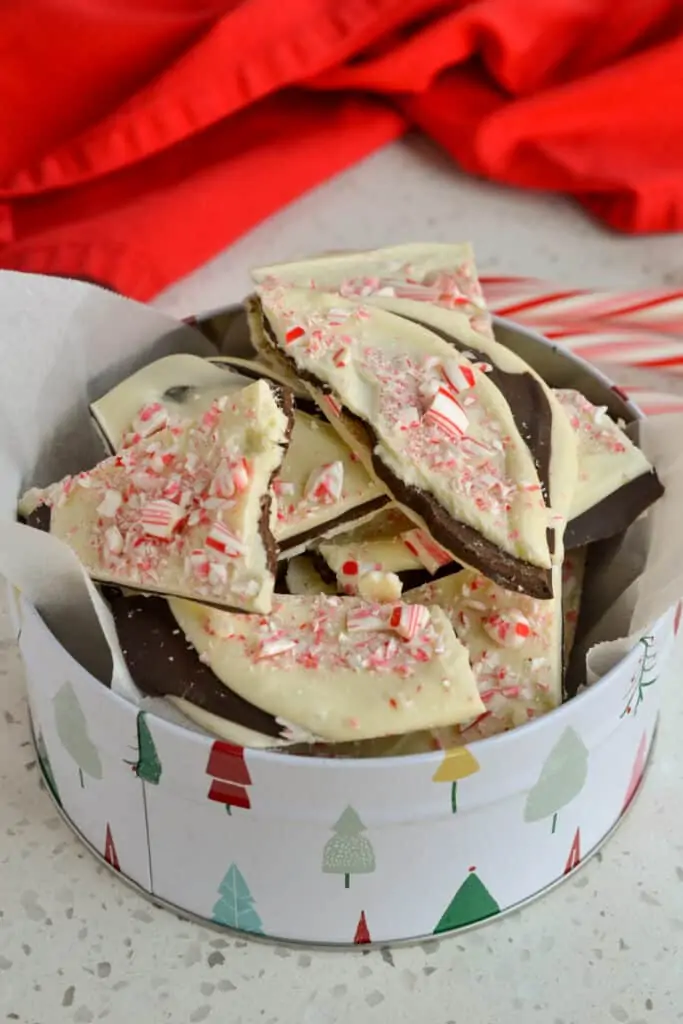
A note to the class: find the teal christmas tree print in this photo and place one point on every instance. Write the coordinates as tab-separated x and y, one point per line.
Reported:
472	902
148	765
46	767
348	852
148	770
562	777
72	730
235	908
643	677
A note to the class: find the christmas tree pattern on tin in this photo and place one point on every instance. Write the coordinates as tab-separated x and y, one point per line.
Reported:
472	902
457	764
148	769
362	935
643	676
235	907
574	858
348	852
562	778
72	730
110	854
636	772
46	767
228	767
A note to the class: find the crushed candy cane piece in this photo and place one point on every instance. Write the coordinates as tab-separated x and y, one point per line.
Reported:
409	619
113	540
294	333
367	619
151	418
160	518
272	648
446	413
325	483
458	376
509	628
110	504
221	539
431	554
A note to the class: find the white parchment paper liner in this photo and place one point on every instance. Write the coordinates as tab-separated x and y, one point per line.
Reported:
65	343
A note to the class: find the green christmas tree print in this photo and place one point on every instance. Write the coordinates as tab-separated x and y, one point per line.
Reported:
148	766
46	767
148	770
72	730
235	908
472	902
643	677
348	852
562	777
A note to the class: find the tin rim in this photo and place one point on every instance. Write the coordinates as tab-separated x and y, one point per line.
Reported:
336	947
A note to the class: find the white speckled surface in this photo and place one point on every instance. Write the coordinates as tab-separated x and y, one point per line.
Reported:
76	945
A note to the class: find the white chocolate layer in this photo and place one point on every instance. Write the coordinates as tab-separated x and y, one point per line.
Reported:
608	459
427	273
311	664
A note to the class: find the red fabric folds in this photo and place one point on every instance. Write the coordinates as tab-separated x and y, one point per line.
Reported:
139	137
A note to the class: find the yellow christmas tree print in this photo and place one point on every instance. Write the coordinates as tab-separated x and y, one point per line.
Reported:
457	764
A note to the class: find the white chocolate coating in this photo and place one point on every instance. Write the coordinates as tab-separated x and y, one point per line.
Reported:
426	273
310	663
304	580
608	459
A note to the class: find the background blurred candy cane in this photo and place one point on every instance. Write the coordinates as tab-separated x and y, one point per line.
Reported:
635	337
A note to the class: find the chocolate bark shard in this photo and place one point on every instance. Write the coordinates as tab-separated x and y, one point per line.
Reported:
455	462
387	543
257	369
321	487
184	508
339	668
162	664
616	482
425	273
515	649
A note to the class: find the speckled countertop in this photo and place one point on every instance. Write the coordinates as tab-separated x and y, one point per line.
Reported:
77	946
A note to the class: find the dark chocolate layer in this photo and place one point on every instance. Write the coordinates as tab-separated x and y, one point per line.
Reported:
162	663
350	516
615	513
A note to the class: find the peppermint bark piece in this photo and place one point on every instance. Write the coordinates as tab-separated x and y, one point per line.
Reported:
184	509
573	572
321	487
339	668
514	644
444	441
389	543
616	483
430	273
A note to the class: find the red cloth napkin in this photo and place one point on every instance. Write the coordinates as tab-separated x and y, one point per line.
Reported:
139	137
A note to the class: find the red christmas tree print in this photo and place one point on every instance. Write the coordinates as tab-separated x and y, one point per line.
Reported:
110	854
574	858
230	774
362	934
636	772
